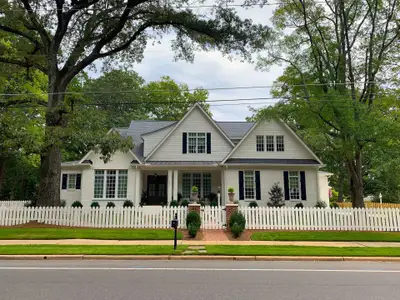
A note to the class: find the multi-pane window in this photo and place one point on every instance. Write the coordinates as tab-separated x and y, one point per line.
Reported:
201	180
110	184
71	181
294	185
196	142
260	143
280	143
270	143
249	185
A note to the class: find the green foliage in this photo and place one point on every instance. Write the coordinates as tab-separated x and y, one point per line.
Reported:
237	223
94	204
193	218
320	204
334	205
214	203
276	196
195	189
77	204
127	203
174	203
184	202
299	205
253	204
231	190
202	202
110	204
63	203
192	230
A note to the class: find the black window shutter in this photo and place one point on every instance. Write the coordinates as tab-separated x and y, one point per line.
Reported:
78	181
286	184
64	181
208	142
258	186
184	142
241	186
303	185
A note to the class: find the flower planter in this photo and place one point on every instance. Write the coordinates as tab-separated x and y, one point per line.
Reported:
195	197
231	197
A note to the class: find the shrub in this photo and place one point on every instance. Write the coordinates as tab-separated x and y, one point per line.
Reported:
236	202
127	203
237	230
110	204
29	204
212	197
299	205
214	203
184	202
320	204
276	196
193	218
237	223
95	205
231	190
174	203
195	189
202	202
334	205
63	203
253	204
192	230
77	204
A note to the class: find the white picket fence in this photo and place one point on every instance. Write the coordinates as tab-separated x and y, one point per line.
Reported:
213	217
348	219
12	204
135	217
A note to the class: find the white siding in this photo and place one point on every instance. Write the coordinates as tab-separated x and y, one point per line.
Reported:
323	188
119	161
70	195
153	139
267	178
293	148
171	149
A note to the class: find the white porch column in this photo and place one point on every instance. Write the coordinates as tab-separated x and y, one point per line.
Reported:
175	185
138	188
169	193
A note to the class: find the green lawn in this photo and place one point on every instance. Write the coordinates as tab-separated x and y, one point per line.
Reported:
326	236
85	233
89	250
300	251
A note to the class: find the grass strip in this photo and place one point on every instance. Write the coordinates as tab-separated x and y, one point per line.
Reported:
300	251
89	250
86	233
326	236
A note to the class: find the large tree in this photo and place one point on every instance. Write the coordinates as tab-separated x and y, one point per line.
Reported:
62	38
339	58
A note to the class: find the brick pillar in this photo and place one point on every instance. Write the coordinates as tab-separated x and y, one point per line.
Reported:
194	207
230	209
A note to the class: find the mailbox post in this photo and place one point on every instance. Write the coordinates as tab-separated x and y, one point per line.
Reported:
174	224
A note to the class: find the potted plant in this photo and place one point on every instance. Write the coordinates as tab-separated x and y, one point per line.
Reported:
195	194
231	194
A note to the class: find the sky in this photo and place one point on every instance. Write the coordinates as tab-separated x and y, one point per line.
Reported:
212	70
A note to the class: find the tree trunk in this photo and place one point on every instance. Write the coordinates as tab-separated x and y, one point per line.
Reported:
2	172
341	187
354	167
50	159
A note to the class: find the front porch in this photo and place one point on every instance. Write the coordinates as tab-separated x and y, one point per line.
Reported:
161	186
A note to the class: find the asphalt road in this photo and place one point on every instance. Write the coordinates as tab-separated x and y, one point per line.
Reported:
195	280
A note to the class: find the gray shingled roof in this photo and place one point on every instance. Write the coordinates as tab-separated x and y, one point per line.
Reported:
234	130
183	163
272	161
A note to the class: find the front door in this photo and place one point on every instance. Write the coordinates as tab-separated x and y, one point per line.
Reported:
156	190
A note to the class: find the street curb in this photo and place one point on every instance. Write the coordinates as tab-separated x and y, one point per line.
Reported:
198	257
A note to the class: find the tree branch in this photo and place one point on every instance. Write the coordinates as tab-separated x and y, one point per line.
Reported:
25	101
22	34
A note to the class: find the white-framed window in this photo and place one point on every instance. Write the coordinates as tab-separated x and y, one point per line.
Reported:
280	143
260	143
71	181
197	142
249	185
201	180
294	185
110	184
270	143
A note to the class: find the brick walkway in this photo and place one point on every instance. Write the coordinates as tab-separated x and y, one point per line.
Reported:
214	235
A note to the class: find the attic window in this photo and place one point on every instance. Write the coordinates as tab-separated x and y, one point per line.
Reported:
196	142
280	143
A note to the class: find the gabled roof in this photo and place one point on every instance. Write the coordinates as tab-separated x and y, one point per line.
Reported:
180	122
287	127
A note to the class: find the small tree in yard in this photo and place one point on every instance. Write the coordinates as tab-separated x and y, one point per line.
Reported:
276	196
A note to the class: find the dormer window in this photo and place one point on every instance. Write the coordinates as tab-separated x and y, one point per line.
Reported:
280	143
196	142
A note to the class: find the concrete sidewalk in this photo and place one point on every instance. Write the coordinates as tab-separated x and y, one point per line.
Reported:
194	243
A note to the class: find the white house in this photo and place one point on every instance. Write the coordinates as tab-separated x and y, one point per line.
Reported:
170	157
